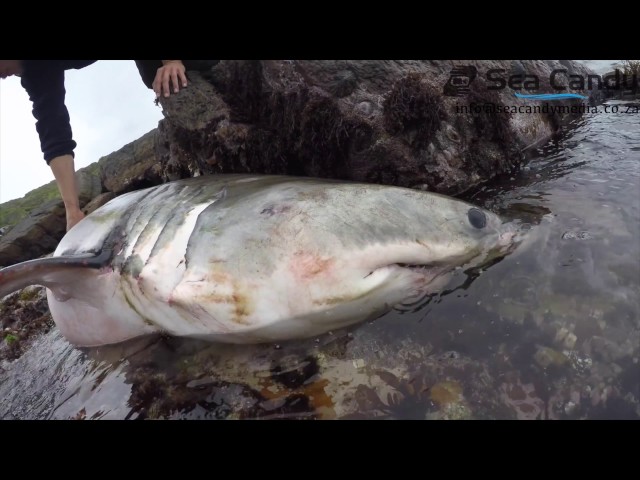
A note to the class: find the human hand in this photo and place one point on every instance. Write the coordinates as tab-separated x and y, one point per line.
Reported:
74	215
171	71
10	67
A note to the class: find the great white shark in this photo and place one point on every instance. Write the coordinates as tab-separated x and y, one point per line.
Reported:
253	258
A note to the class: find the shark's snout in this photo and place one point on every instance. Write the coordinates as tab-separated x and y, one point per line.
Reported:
511	235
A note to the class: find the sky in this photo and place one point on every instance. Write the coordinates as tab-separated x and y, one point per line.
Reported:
109	107
601	66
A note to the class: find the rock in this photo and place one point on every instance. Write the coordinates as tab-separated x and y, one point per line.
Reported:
132	167
446	392
561	334
34	236
523	399
374	121
570	341
89	184
570	408
546	357
39	232
98	202
23	315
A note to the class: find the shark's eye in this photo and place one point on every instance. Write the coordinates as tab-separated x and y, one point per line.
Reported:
477	218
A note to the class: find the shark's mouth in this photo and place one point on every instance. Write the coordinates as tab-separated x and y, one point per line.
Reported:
420	266
434	275
429	271
438	274
426	271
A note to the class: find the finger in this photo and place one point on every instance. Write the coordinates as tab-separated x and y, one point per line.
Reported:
165	84
156	85
183	78
176	85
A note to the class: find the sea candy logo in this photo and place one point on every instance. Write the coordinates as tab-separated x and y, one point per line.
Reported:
459	80
559	80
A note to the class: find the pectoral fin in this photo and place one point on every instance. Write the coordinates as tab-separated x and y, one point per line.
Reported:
53	272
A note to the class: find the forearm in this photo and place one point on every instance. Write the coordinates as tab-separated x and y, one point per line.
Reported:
64	171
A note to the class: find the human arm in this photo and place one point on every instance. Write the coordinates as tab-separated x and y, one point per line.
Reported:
172	72
64	172
44	82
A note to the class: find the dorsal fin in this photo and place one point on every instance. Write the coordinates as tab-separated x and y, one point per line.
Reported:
44	271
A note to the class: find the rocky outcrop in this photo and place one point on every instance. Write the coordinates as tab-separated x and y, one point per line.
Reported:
132	167
373	121
40	232
23	315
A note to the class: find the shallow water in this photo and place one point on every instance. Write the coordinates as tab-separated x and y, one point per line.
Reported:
552	331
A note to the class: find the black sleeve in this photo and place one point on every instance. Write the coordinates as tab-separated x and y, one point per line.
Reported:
148	69
44	82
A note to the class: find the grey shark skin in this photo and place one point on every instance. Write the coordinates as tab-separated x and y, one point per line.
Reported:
249	259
